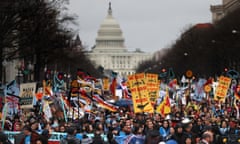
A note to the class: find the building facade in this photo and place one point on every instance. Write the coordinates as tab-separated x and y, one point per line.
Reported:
110	51
227	6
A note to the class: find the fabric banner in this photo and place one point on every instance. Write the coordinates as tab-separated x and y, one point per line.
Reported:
47	110
222	88
55	136
12	89
104	104
12	102
113	87
199	89
27	92
11	93
165	106
106	84
140	97
10	135
153	87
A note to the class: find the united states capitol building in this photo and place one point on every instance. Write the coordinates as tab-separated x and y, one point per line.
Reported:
110	52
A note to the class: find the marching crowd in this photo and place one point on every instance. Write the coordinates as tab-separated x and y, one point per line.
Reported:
195	123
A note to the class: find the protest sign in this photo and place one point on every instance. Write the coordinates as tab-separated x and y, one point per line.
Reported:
138	87
222	88
27	92
152	87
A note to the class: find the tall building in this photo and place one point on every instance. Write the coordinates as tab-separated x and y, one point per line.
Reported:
110	51
227	6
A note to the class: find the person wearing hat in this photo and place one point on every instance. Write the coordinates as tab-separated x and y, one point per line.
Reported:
86	139
187	130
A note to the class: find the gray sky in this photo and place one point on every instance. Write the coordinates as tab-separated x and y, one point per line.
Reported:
147	24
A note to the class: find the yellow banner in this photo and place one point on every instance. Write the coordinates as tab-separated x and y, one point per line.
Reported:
105	84
152	78
222	88
153	93
136	80
153	87
138	87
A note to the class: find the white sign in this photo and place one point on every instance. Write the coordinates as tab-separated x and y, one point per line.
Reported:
27	92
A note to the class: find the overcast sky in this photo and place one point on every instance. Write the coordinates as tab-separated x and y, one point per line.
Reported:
147	24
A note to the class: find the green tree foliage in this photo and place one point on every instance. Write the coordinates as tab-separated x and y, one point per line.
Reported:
9	21
41	32
37	31
206	49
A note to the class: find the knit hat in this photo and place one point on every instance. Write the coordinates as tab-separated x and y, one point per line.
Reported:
86	140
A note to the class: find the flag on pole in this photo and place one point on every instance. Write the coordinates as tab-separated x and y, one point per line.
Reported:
113	87
47	110
64	110
165	106
104	104
12	89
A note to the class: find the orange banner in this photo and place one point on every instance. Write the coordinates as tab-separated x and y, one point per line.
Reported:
106	84
138	87
152	87
222	88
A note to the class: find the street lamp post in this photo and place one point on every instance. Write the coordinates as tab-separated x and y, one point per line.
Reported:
235	31
235	62
30	68
19	75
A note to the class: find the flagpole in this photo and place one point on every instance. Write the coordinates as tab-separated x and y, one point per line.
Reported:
78	101
72	113
64	110
4	114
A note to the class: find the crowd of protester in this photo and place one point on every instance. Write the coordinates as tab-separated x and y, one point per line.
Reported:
195	123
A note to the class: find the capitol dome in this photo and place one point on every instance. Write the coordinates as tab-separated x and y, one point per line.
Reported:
110	33
110	52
